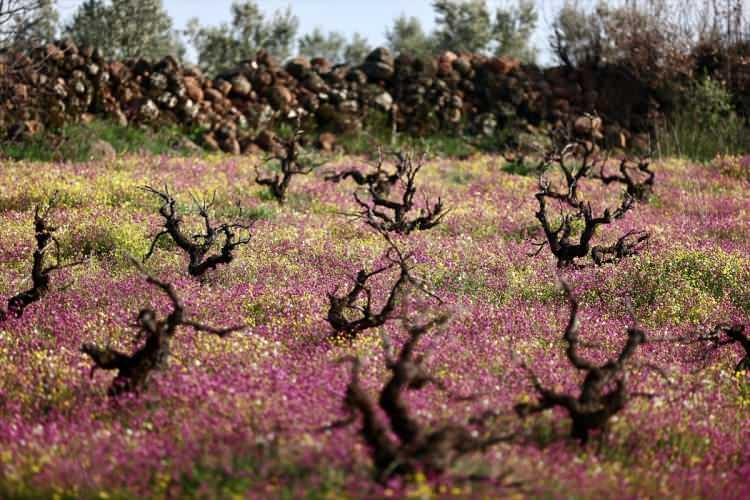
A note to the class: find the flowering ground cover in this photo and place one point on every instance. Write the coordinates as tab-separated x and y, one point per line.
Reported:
249	414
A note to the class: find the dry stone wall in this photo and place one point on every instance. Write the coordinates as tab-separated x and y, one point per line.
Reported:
238	109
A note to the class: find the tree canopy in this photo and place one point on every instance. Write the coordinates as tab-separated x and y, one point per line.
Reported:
124	29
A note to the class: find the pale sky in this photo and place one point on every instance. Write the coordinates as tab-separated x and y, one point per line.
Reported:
368	17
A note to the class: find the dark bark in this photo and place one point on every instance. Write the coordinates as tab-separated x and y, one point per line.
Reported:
290	163
365	318
40	269
603	391
628	245
135	370
402	445
198	247
353	312
560	156
723	335
564	241
561	240
381	181
637	177
395	214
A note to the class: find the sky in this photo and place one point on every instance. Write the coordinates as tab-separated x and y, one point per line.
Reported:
369	18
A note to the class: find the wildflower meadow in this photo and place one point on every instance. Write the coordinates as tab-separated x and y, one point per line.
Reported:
254	393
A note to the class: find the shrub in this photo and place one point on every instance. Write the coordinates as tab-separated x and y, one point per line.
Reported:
641	38
604	392
402	444
249	31
102	238
125	29
46	243
198	247
704	126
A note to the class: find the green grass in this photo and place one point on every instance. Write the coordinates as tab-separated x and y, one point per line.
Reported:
686	136
704	125
685	285
73	143
521	166
208	481
443	143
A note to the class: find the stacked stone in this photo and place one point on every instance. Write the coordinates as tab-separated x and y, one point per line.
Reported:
238	109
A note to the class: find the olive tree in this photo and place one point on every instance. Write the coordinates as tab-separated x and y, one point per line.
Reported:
249	31
124	29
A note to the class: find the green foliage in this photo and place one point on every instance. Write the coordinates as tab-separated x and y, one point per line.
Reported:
133	140
520	166
524	283
89	24
577	36
711	102
260	212
219	47
319	44
75	141
463	26
681	444
514	27
28	27
686	285
705	125
469	26
742	386
364	142
25	489
220	481
407	36
333	46
124	29
454	144
104	239
442	144
544	432
357	49
651	40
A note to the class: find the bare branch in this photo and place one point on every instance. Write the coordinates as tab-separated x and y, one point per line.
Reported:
348	315
135	370
41	268
404	445
565	241
627	245
637	177
291	163
387	214
603	391
198	247
725	334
